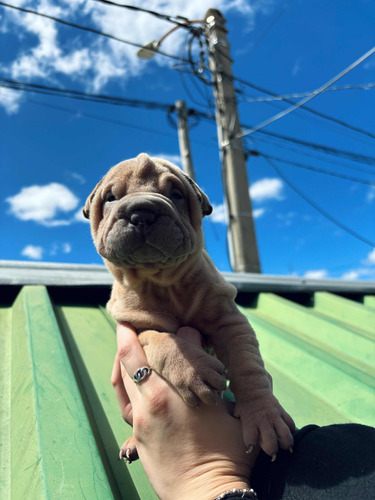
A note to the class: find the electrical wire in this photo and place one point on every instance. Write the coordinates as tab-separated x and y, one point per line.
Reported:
287	99
315	154
321	210
182	79
84	28
283	9
332	119
93	116
185	25
314	169
164	17
349	155
75	94
43	89
277	97
308	98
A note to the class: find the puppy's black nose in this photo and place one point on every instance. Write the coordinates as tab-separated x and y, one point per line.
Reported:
142	217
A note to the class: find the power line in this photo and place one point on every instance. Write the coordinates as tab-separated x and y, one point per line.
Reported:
277	97
84	28
269	27
101	98
308	98
185	25
368	160
164	17
312	154
111	120
75	94
334	119
314	169
97	117
308	95
321	210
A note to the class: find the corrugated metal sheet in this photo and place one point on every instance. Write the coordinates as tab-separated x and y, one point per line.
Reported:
60	427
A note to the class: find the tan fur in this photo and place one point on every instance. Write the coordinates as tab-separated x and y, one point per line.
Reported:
151	239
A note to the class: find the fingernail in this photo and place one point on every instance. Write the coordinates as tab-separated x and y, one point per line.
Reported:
273	458
250	449
291	449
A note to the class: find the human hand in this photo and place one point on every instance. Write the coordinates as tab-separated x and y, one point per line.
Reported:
186	452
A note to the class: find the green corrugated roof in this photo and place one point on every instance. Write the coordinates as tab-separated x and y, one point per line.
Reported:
60	426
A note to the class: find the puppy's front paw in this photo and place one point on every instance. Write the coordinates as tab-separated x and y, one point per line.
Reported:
200	378
196	375
266	423
128	451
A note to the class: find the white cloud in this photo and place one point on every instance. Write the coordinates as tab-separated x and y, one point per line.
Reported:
60	248
67	248
32	252
287	218
370	260
266	189
356	274
79	217
73	63
371	194
297	66
258	212
316	274
175	159
78	177
351	275
42	203
10	100
219	213
94	60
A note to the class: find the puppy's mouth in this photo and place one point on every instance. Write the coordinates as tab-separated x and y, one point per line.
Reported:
147	238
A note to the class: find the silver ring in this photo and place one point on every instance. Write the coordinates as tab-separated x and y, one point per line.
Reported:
141	374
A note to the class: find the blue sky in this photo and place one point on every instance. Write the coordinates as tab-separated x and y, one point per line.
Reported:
53	149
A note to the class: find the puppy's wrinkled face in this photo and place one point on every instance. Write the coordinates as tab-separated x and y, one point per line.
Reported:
146	212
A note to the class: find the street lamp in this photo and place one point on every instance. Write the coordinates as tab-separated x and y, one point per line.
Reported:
150	49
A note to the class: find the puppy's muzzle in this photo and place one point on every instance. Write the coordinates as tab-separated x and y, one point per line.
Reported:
143	211
141	218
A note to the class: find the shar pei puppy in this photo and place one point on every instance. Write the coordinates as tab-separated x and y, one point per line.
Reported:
146	222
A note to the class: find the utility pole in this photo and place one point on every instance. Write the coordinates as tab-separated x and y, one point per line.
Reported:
241	231
183	139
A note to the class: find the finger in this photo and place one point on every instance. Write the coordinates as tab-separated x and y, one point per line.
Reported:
130	351
121	393
190	335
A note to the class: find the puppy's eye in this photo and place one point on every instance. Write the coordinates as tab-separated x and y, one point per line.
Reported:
109	197
176	195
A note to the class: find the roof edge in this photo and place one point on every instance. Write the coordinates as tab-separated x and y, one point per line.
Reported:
62	274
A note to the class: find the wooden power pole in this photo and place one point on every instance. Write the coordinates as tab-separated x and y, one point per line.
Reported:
242	239
183	139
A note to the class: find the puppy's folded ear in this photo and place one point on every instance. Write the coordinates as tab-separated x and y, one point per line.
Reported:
86	208
202	197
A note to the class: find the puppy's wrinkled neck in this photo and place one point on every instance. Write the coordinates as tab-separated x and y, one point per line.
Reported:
158	275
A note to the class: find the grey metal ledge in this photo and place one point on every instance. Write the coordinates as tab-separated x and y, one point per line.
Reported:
55	274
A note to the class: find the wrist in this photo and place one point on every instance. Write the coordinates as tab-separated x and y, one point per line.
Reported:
236	493
210	486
